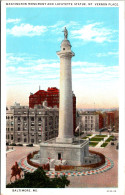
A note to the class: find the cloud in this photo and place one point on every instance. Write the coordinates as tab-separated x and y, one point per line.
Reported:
107	54
93	32
10	59
34	68
10	20
27	30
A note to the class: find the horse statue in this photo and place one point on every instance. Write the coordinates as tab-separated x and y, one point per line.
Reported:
16	170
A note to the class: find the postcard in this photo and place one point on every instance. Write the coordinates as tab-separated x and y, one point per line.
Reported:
62	68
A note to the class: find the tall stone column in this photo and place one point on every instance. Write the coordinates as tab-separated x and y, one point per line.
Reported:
65	134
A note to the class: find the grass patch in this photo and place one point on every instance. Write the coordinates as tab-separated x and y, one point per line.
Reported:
111	136
104	144
85	137
101	136
110	139
93	144
96	139
89	135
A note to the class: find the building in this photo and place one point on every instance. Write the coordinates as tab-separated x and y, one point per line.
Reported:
111	120
89	121
52	98
31	125
9	126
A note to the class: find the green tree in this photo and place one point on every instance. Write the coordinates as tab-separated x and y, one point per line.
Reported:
39	179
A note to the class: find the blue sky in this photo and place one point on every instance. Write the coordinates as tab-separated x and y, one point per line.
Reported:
33	35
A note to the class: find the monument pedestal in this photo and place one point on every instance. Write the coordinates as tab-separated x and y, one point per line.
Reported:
73	153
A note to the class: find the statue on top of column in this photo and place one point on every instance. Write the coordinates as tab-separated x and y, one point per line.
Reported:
65	33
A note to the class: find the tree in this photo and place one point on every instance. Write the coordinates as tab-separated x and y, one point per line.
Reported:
39	179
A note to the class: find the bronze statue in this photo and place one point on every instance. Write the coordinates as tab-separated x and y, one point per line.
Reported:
65	33
16	170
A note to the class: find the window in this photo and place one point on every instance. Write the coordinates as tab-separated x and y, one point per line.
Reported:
32	118
18	139
11	129
25	140
32	140
39	119
63	48
8	137
11	137
11	117
59	156
18	118
18	128
24	119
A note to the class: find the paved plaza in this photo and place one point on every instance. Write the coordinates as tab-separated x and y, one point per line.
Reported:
107	178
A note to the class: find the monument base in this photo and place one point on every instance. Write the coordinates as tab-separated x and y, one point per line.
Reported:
64	140
73	153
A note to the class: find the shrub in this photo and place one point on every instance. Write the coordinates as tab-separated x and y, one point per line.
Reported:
29	145
13	144
19	144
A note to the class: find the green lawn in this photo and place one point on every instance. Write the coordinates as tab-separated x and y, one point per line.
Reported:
89	135
101	136
93	144
110	139
96	139
104	144
85	137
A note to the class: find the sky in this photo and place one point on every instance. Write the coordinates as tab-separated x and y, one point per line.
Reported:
34	35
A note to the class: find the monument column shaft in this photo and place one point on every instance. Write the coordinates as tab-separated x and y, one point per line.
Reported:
65	101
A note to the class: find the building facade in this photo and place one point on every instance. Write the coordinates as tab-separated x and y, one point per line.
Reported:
32	125
9	126
89	121
52	98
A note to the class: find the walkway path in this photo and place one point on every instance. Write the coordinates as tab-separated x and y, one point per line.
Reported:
107	166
